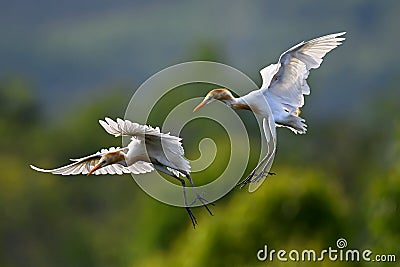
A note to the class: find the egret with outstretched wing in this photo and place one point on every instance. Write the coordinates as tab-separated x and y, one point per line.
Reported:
281	93
148	149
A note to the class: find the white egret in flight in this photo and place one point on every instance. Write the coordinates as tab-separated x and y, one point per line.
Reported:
149	149
283	88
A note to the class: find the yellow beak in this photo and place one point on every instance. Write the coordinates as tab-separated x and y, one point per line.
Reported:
202	104
95	168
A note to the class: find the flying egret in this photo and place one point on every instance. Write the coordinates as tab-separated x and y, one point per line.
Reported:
149	149
283	87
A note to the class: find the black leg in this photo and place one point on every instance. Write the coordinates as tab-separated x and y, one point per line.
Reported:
251	178
248	179
189	211
199	197
192	218
163	169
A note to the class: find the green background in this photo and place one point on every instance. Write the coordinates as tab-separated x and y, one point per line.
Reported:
64	65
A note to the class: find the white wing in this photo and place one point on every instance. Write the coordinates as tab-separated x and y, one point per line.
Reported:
287	78
166	148
85	164
128	128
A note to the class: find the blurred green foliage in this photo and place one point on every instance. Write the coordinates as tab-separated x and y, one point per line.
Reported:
340	180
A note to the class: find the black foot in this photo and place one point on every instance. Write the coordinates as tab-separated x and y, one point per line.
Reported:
247	180
203	201
253	177
192	217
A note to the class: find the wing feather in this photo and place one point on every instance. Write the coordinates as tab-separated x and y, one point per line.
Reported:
128	128
287	78
85	164
172	152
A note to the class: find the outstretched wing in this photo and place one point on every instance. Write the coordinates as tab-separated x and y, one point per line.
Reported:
167	148
287	78
128	128
85	164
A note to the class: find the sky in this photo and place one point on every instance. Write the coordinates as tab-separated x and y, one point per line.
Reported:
68	51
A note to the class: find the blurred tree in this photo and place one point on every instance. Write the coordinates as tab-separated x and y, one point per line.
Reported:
19	113
288	212
382	199
18	105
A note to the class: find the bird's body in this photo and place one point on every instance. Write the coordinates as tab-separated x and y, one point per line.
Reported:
137	152
149	148
283	89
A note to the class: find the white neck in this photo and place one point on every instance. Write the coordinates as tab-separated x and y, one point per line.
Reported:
257	102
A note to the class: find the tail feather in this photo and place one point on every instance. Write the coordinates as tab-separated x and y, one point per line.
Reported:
295	124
